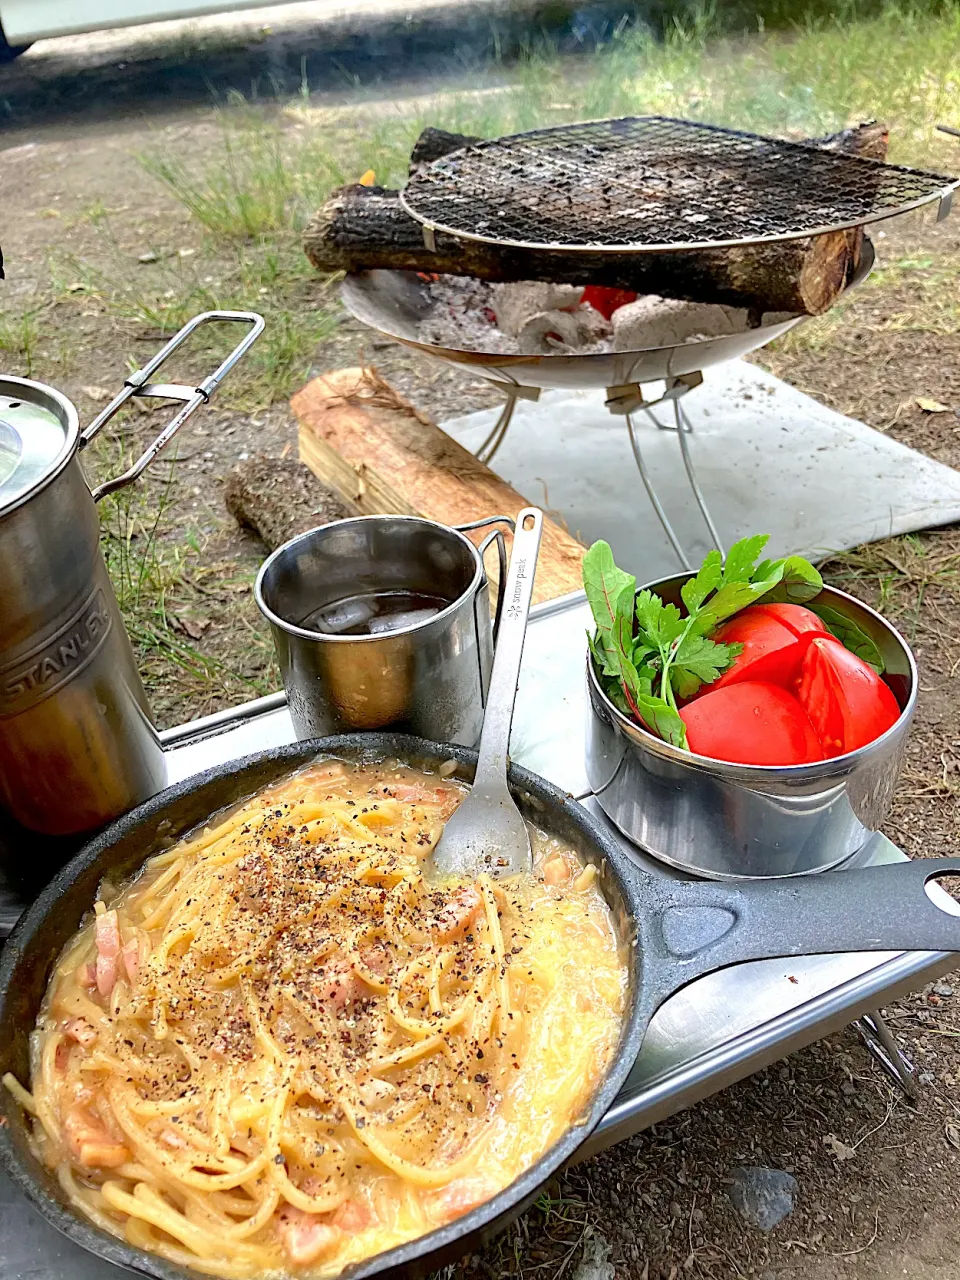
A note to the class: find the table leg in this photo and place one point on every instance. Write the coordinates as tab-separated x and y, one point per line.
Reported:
880	1043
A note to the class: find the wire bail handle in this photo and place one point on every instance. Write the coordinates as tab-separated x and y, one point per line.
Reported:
139	384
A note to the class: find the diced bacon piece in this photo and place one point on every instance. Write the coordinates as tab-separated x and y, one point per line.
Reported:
80	1030
412	794
62	1055
352	1216
555	871
375	958
306	1237
106	974
170	1138
89	1142
337	984
107	936
87	975
133	957
465	1194
456	915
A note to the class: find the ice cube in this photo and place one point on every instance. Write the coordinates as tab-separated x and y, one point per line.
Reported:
345	615
396	621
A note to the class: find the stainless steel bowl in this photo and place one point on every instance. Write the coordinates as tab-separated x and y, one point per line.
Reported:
731	821
395	302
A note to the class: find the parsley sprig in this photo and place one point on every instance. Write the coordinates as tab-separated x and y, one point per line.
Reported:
648	653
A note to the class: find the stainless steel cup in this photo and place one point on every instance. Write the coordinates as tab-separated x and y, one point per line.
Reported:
429	678
733	821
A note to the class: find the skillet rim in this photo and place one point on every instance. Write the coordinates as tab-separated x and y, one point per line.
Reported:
447	1242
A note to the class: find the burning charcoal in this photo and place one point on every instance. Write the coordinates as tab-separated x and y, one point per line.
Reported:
652	321
550	331
593	326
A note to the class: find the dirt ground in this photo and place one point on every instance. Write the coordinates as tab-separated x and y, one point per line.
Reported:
878	1177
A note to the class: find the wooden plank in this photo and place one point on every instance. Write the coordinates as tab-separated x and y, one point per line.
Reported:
358	435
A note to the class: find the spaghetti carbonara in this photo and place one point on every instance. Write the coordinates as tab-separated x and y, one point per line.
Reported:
280	1048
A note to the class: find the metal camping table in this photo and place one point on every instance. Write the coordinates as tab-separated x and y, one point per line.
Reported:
716	1031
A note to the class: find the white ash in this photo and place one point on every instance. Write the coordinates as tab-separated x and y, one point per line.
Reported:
537	318
515	304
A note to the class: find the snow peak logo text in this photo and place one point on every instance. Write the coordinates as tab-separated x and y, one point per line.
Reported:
34	676
513	608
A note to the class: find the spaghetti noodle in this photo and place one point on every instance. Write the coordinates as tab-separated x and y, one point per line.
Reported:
280	1048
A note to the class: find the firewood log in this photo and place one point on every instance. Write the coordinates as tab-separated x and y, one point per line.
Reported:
361	228
434	143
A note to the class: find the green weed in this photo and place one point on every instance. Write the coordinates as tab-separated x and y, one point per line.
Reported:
19	335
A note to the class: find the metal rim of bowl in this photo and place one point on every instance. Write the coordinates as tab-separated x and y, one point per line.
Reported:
67	412
759	772
305	634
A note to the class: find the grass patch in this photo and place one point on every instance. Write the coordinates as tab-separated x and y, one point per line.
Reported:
19	335
169	591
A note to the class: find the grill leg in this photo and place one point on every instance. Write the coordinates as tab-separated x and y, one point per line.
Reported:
495	439
880	1043
684	428
652	495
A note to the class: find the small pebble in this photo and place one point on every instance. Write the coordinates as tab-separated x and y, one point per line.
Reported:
848	1087
763	1197
674	1209
942	989
926	1077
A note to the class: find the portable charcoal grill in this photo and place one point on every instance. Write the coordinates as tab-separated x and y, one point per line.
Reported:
651	184
635	185
395	302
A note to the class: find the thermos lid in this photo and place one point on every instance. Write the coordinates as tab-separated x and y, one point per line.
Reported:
38	436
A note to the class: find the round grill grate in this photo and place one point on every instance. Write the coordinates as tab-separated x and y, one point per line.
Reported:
650	183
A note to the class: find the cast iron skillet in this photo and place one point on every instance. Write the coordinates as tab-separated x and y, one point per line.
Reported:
671	932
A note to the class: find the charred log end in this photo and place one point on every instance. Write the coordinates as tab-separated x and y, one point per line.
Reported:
434	143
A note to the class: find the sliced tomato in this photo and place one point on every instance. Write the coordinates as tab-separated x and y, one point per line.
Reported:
606	301
847	702
794	617
751	722
774	639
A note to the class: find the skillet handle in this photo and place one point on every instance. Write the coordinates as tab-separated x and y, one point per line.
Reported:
695	928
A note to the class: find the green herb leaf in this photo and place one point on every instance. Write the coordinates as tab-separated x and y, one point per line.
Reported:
699	661
605	585
602	660
614	691
661	719
694	592
730	599
850	636
655	712
623	619
660	623
741	558
801	582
